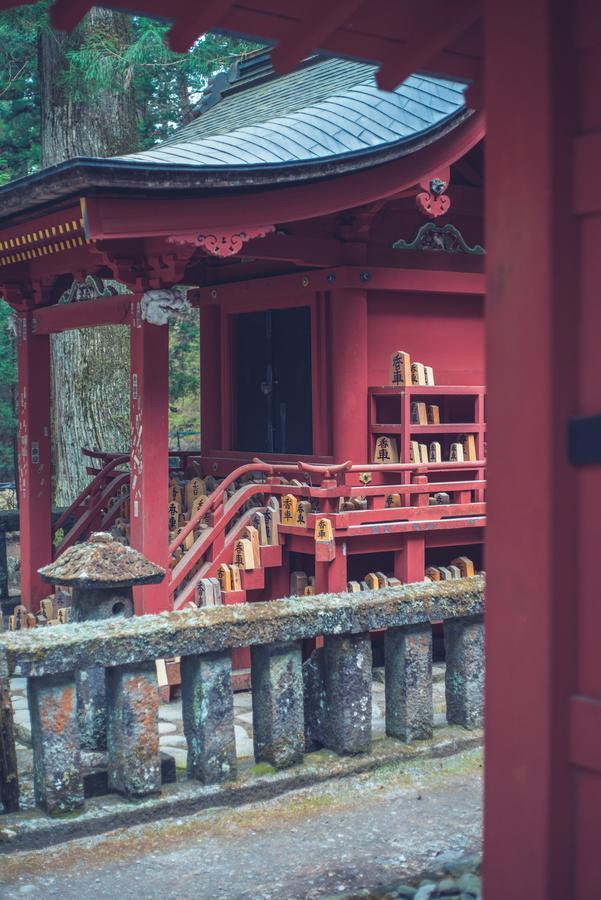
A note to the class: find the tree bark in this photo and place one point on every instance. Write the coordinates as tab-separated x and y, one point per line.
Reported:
90	367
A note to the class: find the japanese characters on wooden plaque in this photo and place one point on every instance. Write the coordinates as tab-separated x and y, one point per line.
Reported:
272	524
289	508
303	509
386	452
456	452
258	522
419	413
225	577
400	368
243	555
236	580
174	512
418	373
194	488
435	454
433	414
323	530
325	548
251	534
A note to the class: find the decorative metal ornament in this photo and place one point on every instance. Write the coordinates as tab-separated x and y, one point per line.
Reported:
91	288
219	241
444	238
433	202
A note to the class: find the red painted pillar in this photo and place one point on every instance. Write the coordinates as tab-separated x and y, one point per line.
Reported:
149	446
409	563
331	577
533	565
210	378
35	483
348	360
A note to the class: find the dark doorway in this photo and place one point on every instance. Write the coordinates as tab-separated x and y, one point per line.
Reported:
272	377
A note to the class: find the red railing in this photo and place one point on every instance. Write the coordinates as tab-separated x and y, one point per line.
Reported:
414	488
88	506
414	485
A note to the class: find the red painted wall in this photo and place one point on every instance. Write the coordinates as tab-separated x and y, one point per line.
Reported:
445	332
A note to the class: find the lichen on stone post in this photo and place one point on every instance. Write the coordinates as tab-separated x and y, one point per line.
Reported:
208	716
464	678
277	697
346	726
408	682
57	771
101	573
134	762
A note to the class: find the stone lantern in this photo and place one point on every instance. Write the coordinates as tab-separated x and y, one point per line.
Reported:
101	574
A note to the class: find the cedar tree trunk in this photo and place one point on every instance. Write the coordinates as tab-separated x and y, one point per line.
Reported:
90	367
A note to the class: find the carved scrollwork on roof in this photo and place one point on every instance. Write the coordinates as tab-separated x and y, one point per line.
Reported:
439	237
220	241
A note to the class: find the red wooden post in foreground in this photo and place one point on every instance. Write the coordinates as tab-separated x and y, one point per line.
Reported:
149	447
542	806
35	484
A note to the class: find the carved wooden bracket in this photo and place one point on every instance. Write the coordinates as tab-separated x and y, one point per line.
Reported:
432	201
219	241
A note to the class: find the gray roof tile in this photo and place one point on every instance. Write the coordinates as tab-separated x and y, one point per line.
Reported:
326	109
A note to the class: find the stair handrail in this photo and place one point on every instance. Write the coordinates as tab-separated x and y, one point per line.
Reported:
89	489
78	528
216	497
178	590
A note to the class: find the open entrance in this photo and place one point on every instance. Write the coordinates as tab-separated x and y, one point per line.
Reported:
272	375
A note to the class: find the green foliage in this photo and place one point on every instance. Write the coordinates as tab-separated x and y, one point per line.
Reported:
166	84
184	381
8	381
166	87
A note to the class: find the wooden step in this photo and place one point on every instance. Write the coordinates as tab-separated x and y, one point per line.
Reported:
271	555
252	579
229	597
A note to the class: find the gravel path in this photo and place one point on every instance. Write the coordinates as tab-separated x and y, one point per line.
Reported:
358	833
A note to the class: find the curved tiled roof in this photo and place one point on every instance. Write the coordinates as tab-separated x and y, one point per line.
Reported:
327	109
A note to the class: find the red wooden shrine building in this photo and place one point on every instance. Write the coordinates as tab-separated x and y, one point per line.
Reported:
535	68
323	224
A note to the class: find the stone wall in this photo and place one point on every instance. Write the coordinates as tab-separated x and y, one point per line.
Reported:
325	702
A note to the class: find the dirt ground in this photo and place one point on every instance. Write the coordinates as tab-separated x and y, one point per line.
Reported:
356	833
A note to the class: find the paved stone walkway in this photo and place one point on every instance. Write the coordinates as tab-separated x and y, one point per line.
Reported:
171	731
362	836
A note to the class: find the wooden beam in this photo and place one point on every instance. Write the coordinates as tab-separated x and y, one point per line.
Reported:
196	20
436	25
318	22
303	251
369	278
86	314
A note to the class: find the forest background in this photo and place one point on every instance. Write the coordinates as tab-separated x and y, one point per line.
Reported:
112	87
